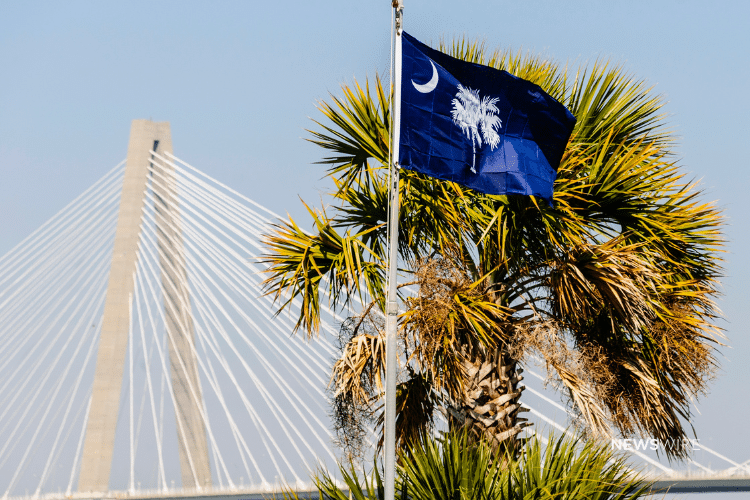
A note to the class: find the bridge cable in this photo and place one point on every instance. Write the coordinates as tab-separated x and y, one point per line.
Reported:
268	365
266	395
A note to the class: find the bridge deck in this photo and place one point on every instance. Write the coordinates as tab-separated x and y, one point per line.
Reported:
703	485
675	485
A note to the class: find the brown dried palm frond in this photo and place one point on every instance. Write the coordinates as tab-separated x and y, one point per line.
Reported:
357	385
588	278
416	400
586	399
450	319
351	424
360	369
456	333
642	382
571	369
357	381
639	404
651	379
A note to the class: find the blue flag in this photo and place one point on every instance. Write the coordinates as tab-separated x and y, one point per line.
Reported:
478	126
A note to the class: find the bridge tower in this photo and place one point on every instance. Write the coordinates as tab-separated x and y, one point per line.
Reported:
98	449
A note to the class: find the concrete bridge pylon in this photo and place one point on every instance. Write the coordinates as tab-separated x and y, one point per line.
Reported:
99	443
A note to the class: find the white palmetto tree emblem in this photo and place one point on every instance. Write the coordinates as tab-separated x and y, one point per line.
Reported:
477	118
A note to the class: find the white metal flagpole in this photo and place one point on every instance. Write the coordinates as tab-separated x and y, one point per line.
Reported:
391	322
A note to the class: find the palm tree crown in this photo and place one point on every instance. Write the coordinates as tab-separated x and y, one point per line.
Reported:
612	286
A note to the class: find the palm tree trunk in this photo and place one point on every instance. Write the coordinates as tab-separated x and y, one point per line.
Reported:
490	406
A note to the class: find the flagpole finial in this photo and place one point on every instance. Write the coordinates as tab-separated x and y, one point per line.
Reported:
399	6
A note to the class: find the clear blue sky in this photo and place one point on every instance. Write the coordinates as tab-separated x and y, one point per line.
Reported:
239	80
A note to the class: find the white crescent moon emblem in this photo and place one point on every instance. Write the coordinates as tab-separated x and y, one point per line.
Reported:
429	86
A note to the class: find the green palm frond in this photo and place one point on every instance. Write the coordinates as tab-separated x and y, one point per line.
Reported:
454	468
358	485
570	467
359	131
604	99
301	263
534	68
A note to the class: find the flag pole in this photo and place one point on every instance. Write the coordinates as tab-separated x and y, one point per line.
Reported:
391	322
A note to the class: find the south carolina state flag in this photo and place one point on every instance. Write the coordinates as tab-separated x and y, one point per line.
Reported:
478	126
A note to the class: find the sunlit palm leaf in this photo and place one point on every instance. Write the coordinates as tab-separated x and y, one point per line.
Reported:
301	263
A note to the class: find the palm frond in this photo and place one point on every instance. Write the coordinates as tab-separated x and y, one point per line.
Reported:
300	263
604	98
613	276
453	468
570	467
359	131
532	67
416	401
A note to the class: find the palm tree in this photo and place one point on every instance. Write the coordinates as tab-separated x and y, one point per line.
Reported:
477	119
612	287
